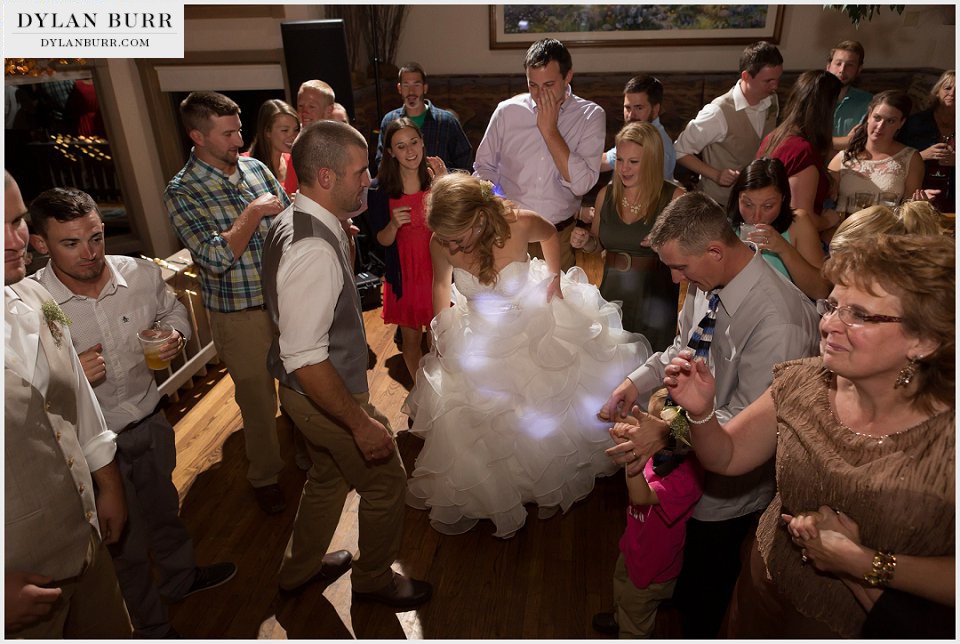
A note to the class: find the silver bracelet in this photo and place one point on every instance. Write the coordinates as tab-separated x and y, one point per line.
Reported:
704	421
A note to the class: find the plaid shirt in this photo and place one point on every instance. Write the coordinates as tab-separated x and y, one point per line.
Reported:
443	137
202	204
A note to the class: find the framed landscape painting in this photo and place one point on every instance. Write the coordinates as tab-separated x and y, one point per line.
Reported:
516	26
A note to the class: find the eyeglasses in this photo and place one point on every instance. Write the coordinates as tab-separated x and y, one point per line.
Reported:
852	317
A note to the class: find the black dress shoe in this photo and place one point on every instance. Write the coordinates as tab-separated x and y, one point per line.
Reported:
606	623
335	565
402	593
208	577
212	576
270	499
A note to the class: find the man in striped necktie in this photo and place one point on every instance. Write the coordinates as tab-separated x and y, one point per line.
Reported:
751	318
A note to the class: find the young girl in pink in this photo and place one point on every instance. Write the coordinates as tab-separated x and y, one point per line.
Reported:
651	548
396	216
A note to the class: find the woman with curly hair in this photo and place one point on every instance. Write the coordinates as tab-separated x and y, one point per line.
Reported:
506	400
861	529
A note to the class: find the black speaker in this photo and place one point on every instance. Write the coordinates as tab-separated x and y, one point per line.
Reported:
318	49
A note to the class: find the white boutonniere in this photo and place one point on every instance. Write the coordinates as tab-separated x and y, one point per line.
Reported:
56	319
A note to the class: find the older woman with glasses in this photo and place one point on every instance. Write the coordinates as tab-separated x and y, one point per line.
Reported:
864	445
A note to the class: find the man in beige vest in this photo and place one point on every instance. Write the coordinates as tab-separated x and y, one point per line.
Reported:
320	359
727	132
59	578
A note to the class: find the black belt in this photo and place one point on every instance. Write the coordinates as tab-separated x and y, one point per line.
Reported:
255	307
130	426
566	223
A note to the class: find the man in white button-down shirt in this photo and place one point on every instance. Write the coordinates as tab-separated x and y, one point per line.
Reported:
59	579
727	132
110	298
320	359
542	148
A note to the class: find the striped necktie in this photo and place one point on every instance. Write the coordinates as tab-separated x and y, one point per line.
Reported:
703	335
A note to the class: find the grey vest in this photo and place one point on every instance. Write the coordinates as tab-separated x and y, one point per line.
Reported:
740	145
46	527
348	341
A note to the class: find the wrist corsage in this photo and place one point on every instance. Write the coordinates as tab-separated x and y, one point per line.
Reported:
678	427
56	319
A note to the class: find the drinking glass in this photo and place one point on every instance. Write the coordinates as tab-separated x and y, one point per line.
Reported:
863	200
889	199
151	341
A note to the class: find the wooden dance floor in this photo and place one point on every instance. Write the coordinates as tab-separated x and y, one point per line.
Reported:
545	582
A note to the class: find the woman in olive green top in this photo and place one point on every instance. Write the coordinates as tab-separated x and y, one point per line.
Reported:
629	205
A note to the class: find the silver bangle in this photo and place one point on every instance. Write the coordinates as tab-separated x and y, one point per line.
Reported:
704	421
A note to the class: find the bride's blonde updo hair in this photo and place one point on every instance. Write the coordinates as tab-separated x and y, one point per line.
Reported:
459	202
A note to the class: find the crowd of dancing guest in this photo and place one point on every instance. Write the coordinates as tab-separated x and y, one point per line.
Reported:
527	392
861	433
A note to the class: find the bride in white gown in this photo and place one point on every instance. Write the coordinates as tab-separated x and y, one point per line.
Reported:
506	401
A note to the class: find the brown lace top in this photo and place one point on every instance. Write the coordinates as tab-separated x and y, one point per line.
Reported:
899	489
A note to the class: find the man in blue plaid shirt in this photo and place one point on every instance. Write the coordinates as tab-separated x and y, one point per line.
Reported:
221	205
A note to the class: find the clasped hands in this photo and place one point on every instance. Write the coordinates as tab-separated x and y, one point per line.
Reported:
829	540
641	435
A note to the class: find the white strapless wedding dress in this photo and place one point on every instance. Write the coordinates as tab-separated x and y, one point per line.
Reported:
506	401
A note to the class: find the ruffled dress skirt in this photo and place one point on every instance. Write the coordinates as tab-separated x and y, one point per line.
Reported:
507	400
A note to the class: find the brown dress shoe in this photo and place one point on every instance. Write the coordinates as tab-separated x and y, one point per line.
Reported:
270	499
402	592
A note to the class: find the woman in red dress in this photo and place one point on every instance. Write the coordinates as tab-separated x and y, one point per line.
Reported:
396	216
277	127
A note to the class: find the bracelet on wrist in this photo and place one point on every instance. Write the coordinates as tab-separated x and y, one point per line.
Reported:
881	570
702	421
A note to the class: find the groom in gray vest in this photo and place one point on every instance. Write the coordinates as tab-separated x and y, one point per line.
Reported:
320	360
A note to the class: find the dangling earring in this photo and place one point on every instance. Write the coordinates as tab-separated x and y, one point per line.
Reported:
907	373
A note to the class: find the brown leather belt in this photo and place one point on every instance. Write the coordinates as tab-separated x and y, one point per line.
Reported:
566	223
625	262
